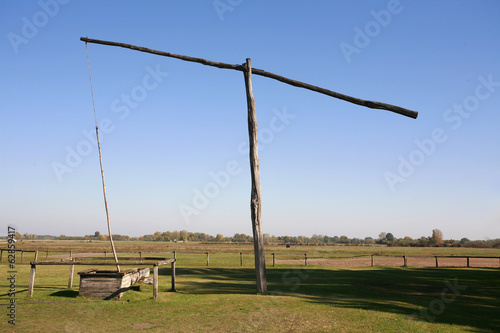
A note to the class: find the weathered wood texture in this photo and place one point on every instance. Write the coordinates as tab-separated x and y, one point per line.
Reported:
358	101
255	200
109	284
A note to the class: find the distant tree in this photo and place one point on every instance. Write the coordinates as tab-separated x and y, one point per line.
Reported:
382	236
219	238
437	237
369	240
464	240
102	237
389	237
97	234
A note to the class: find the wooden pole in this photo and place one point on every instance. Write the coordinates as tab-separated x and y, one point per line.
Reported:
32	277
372	260
155	281
22	256
173	275
71	273
405	261
468	262
305	259
274	259
354	100
437	264
241	259
105	200
1	255
255	200
208	259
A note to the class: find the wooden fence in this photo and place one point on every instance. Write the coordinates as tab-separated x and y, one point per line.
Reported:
373	259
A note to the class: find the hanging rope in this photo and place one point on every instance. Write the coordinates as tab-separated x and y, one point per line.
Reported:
100	161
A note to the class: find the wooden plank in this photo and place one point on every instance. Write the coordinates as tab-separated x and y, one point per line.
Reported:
255	200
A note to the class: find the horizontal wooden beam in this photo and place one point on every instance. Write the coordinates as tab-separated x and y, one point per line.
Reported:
111	263
354	100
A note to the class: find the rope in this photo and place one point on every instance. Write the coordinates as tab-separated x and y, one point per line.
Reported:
100	161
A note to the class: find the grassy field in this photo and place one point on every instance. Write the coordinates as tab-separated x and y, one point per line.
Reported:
222	297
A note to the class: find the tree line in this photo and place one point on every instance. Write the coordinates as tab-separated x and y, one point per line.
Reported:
384	238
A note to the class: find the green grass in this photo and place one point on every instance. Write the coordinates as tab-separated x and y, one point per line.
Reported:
222	298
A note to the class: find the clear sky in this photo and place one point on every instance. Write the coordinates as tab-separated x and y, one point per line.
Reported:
174	134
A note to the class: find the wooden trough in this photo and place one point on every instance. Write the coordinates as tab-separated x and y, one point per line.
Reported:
109	284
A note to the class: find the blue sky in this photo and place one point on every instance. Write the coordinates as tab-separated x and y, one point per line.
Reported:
173	133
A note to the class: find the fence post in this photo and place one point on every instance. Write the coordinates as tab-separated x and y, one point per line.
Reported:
208	259
437	264
241	259
274	259
155	281
305	259
175	255
468	265
47	255
71	273
372	260
105	255
32	276
173	275
140	255
405	261
22	256
1	255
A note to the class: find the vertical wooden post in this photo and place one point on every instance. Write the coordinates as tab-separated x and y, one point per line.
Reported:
405	261
241	259
71	273
468	263
32	276
1	255
155	281
255	201
305	259
32	280
274	259
175	255
437	264
208	259
22	256
140	255
173	275
372	260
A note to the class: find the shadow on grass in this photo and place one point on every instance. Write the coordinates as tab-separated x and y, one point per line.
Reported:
66	293
469	297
